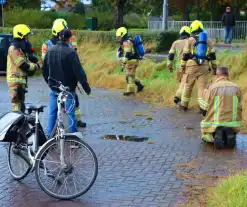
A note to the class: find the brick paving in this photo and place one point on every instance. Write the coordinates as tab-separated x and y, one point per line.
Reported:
130	173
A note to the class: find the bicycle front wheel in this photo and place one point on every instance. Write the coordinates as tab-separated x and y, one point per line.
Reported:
18	161
69	181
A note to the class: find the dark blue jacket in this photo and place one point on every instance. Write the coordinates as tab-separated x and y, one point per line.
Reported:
62	63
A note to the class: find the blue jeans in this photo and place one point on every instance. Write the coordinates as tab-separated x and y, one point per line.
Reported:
228	34
53	112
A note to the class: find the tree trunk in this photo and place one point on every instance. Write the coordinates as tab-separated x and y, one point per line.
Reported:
119	13
198	9
185	14
1	15
236	11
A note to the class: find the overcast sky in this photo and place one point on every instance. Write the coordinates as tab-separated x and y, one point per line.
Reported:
52	4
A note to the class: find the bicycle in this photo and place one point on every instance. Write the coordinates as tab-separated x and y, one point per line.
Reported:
27	127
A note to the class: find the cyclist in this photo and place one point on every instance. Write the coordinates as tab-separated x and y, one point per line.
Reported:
62	63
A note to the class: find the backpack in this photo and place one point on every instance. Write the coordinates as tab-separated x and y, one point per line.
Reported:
139	47
49	43
201	47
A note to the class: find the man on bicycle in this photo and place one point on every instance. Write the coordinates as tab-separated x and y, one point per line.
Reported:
62	64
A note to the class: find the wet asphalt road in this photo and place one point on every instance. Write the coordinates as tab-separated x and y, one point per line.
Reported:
130	173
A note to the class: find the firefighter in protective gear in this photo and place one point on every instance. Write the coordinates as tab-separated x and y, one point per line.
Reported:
19	67
221	106
193	70
129	61
177	49
58	26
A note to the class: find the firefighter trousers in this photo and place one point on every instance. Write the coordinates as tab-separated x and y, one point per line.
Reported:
193	73
181	80
131	76
17	94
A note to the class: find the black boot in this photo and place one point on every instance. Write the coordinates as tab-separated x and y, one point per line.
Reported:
230	138
176	100
184	108
128	93
139	86
219	141
81	124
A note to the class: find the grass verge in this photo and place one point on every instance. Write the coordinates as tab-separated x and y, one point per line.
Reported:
104	70
230	192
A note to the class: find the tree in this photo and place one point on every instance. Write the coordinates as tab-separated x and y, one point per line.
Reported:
79	8
218	7
32	4
184	6
119	12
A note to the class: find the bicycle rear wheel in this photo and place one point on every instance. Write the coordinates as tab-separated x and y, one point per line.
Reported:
18	161
73	180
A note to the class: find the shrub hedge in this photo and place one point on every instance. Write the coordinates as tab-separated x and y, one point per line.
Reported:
37	19
162	40
165	40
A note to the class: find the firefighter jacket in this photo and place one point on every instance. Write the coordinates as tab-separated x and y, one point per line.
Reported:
189	53
222	101
129	52
177	49
54	40
18	66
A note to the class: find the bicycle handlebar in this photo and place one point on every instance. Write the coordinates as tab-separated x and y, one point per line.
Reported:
63	88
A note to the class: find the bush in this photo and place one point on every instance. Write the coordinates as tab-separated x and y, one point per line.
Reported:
105	19
40	20
134	20
165	40
96	37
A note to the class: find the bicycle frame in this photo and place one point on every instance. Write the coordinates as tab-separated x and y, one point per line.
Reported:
61	136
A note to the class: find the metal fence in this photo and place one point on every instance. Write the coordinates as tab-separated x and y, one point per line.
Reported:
214	28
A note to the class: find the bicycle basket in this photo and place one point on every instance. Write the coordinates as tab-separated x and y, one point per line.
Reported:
9	123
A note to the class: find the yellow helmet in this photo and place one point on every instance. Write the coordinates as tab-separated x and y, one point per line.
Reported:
60	20
185	29
121	32
58	27
196	25
21	30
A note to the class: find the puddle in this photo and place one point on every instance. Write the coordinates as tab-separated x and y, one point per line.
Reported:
125	138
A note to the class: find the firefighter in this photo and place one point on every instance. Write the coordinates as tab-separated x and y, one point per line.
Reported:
177	49
19	67
73	44
221	108
129	61
194	70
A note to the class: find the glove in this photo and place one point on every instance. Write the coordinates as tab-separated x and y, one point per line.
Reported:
32	58
86	88
170	68
33	66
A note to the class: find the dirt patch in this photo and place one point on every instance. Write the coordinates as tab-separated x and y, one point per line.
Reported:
199	182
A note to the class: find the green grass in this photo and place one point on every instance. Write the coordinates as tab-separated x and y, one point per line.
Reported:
230	193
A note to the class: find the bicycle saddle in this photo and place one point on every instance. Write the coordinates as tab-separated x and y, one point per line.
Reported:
38	108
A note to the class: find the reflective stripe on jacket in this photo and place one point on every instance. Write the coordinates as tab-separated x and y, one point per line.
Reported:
222	101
